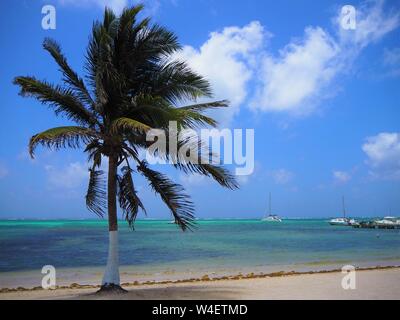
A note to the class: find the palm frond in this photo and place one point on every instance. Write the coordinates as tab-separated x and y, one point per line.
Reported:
123	35
131	150
70	76
127	22
110	20
156	43
61	137
96	194
127	124
151	110
154	109
219	174
101	72
173	196
95	149
200	107
187	118
174	81
197	161
62	100
128	199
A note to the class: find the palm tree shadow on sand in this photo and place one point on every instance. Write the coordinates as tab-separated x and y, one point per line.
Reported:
182	292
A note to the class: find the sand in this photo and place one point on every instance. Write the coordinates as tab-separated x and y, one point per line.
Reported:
370	284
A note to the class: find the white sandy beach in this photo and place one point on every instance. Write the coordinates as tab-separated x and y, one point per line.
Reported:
370	284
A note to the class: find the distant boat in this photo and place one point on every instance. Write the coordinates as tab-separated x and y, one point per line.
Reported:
271	217
388	221
342	221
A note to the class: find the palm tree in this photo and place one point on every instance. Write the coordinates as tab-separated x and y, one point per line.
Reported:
132	85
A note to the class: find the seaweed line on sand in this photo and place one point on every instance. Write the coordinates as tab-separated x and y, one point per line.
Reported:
204	278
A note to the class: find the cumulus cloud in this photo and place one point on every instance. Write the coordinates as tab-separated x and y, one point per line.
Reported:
69	177
373	23
227	59
298	78
302	69
281	176
341	177
293	80
383	152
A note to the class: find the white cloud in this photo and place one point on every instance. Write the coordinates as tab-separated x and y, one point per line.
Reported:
372	24
295	80
281	176
227	59
341	176
383	152
301	70
299	77
70	177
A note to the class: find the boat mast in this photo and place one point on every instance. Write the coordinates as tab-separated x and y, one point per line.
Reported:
270	212
344	208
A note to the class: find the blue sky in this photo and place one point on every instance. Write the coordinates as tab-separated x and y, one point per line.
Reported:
323	101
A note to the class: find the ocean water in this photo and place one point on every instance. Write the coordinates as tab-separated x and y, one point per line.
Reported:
215	245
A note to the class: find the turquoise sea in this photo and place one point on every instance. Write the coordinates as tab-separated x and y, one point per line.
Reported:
215	245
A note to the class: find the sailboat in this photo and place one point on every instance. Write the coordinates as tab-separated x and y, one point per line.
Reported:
271	217
342	221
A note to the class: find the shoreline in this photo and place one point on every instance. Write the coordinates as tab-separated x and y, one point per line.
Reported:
203	279
370	284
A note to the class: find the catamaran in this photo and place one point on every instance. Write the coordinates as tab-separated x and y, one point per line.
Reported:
271	217
342	221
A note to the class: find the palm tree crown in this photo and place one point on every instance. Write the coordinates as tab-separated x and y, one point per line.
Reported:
131	85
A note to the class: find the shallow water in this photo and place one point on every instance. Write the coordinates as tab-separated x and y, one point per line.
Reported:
215	245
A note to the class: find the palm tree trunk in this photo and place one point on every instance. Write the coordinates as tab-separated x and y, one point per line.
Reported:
111	275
